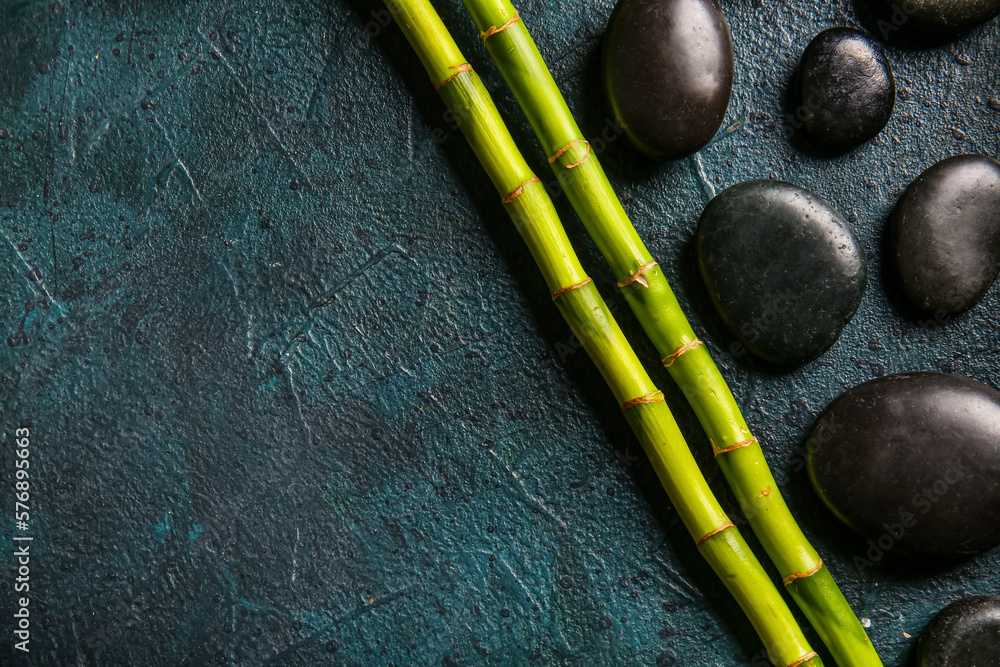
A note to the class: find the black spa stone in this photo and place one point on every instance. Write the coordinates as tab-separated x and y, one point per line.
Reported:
933	16
784	269
845	91
964	634
945	234
668	73
912	462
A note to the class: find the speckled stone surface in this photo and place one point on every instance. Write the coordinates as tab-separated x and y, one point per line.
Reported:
844	90
940	16
668	73
784	269
298	394
945	234
966	633
912	461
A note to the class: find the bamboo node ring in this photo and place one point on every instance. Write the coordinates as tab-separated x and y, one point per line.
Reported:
464	67
559	153
492	30
519	190
807	656
722	450
637	277
802	575
655	397
669	360
576	164
727	524
558	293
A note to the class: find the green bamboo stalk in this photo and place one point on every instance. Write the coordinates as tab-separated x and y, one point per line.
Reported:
580	304
646	289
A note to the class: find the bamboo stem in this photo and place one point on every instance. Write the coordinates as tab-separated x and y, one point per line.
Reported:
578	300
690	364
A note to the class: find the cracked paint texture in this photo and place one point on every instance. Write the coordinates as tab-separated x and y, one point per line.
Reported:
297	393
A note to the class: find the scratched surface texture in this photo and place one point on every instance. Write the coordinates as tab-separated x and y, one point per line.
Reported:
297	393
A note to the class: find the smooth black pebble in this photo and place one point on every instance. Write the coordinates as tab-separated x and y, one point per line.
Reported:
965	634
784	269
945	234
935	16
912	462
668	73
845	91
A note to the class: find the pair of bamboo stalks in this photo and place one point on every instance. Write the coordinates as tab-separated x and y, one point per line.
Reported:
738	453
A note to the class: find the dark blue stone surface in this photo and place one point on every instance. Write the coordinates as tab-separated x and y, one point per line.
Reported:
297	394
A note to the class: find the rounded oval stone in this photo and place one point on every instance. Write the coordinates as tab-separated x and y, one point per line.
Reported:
845	89
936	16
912	462
964	633
783	268
668	73
945	234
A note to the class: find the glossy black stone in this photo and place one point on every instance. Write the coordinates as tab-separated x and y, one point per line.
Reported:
965	634
845	92
912	462
668	73
934	16
945	234
784	269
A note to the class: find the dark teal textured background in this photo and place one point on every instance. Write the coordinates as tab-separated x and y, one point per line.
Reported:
297	393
